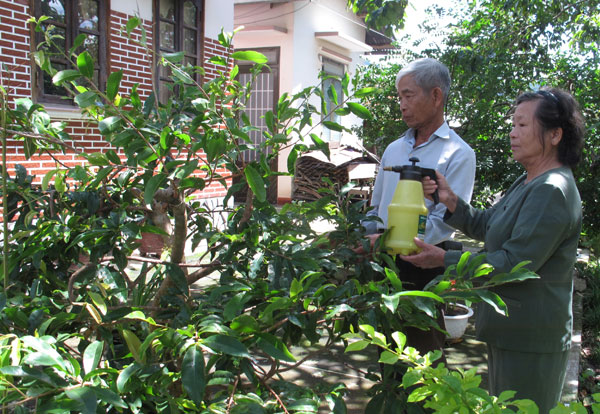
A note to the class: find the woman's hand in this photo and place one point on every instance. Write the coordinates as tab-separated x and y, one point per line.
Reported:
445	193
431	256
372	239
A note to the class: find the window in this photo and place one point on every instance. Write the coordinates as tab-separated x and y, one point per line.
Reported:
263	98
179	29
72	18
331	67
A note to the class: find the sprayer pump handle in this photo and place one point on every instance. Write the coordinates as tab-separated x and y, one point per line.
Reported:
430	172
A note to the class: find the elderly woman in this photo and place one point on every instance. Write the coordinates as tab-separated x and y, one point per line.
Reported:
538	219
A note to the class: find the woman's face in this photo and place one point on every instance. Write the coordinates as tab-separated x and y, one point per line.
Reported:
525	140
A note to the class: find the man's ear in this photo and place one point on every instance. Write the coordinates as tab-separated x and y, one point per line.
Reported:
438	96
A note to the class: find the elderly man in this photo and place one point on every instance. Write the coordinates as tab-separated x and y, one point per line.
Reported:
423	87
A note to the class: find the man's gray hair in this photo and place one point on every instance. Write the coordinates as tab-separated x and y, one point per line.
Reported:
428	73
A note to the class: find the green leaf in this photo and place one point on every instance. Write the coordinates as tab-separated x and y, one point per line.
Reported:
364	92
177	277
256	183
113	157
218	60
483	270
250	55
274	347
192	374
388	357
113	83
464	260
394	279
520	265
174	57
332	93
419	394
85	63
357	346
345	83
182	75
86	99
86	397
98	301
124	376
92	355
139	315
400	340
334	126
65	76
132	24
245	324
292	158
411	378
494	300
133	344
226	345
47	178
519	276
110	124
43	359
368	329
153	185
97	158
422	294
110	397
359	110
269	119
391	301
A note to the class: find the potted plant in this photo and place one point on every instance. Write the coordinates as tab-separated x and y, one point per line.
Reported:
456	317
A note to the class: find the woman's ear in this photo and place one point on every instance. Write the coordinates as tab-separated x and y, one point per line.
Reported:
556	136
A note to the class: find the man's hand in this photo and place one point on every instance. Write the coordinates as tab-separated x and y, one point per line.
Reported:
430	256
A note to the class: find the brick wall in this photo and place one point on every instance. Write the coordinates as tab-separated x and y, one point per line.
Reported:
16	78
15	69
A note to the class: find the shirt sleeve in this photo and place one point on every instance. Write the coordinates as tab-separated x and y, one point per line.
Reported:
460	174
539	229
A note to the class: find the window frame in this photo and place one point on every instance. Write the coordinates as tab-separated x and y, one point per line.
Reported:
328	134
179	27
71	32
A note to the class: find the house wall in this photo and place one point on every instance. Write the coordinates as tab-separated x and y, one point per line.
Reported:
15	74
292	26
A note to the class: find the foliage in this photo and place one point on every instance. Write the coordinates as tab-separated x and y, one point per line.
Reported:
385	123
473	280
382	15
589	380
88	326
441	390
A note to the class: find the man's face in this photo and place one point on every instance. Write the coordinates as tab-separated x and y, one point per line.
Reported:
417	106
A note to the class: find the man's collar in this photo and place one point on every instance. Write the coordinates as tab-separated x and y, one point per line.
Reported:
442	132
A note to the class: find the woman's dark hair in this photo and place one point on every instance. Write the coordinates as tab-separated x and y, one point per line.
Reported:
558	109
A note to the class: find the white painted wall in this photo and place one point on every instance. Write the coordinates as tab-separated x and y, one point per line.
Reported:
218	13
141	8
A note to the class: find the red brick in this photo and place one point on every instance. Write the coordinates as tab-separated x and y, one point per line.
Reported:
15	6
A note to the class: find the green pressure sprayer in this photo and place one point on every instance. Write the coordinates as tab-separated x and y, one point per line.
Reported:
407	214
